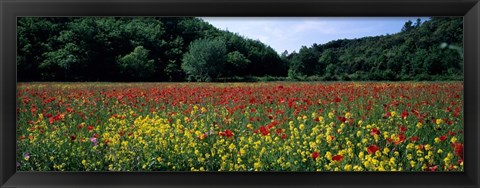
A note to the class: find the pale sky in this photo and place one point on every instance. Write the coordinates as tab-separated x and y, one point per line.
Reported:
291	33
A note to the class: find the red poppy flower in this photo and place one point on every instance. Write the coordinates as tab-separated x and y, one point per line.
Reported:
401	137
73	137
433	168
455	114
452	133
337	99
284	136
271	125
315	155
337	158
416	112
204	135
263	130
372	149
58	117
227	133
443	137
375	131
90	127
388	114
33	109
404	114
414	138
458	148
342	119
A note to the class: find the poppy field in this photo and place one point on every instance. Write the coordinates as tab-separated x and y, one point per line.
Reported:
273	126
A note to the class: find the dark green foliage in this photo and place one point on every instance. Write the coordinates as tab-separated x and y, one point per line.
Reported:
205	60
136	66
67	60
130	49
35	36
236	63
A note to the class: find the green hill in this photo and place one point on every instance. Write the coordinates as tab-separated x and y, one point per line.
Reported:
415	53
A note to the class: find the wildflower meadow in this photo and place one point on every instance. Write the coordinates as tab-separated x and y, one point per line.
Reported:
264	126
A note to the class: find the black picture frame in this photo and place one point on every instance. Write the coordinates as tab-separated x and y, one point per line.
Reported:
11	9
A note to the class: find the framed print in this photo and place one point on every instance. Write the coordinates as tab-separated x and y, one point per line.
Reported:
239	93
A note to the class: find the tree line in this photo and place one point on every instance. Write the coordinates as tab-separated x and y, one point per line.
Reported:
190	49
132	49
420	51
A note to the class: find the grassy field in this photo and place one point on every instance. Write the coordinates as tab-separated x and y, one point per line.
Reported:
277	126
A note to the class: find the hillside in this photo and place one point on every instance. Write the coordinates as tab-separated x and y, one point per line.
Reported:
415	53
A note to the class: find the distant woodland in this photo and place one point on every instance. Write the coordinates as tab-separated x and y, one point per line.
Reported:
173	49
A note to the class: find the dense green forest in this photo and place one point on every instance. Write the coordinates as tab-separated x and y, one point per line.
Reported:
190	49
420	51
